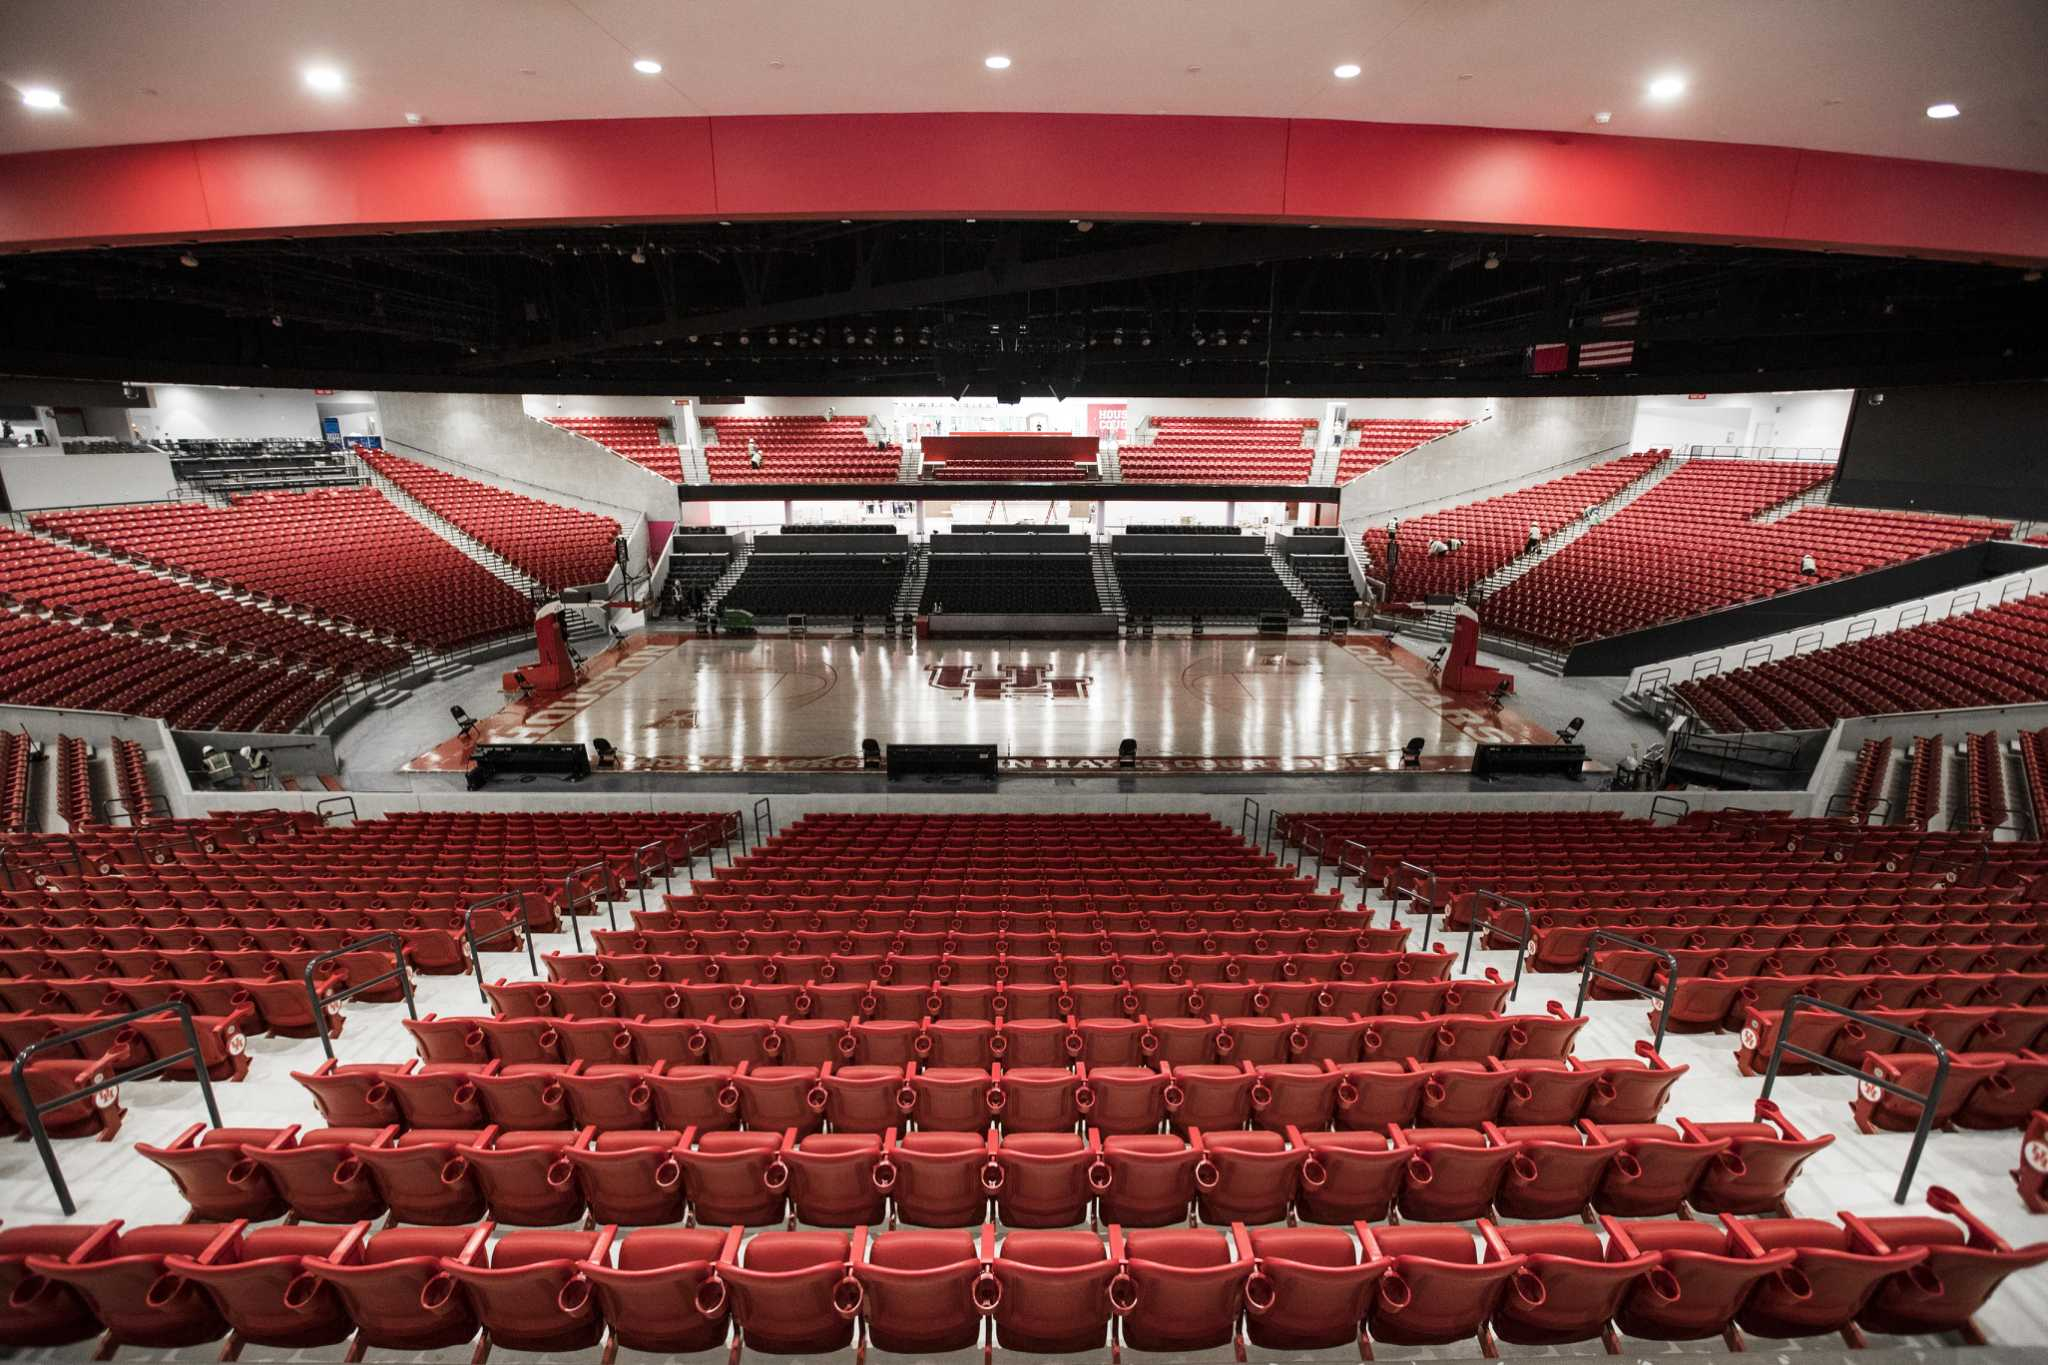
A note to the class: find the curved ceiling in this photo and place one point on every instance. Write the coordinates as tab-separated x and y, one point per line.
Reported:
1836	75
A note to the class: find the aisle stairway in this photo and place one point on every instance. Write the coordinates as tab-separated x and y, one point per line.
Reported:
1323	471
1572	530
1108	591
581	625
742	551
1106	467
911	594
1308	603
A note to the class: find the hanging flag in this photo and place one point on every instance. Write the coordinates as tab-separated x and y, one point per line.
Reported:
1549	357
1621	317
1602	355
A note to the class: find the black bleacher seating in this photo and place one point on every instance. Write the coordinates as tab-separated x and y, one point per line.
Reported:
818	585
1164	528
1009	584
1328	578
1317	531
687	571
255	465
838	528
1206	585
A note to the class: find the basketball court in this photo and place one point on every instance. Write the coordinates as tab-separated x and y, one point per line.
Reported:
1222	704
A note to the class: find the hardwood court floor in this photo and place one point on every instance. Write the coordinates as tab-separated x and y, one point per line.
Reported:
677	703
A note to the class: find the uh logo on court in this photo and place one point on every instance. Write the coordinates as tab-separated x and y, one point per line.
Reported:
1009	680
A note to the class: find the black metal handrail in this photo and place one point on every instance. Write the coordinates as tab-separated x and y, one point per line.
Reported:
151	804
572	897
255	830
321	808
738	821
1845	802
1660	805
642	869
32	1111
399	972
156	845
11	865
1593	970
1928	1102
764	814
1955	867
1485	920
1273	819
1363	865
1301	849
522	924
1248	816
1395	888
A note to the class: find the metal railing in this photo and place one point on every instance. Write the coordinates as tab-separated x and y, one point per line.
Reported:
1301	848
1842	806
369	942
1396	885
1593	971
764	814
1485	921
643	869
1663	805
1273	818
153	807
32	1111
1362	865
521	924
572	898
330	807
1929	1102
1248	817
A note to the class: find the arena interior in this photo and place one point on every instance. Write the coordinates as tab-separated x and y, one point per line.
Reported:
1155	680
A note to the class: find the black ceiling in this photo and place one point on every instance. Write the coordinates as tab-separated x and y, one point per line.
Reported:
1005	308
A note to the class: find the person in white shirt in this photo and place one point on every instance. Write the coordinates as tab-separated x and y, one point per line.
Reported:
753	453
1438	549
1808	567
1535	537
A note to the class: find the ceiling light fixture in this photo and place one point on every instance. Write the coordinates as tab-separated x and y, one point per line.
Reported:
1603	117
1346	71
996	61
647	66
1942	110
1492	261
1668	86
413	119
325	80
639	257
189	261
41	97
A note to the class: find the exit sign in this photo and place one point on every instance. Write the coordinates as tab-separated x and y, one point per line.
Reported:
1696	397
323	393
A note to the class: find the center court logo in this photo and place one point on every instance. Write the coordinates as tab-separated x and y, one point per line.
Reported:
1007	681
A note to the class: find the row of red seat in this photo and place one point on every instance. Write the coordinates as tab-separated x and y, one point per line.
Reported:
349	555
1493	531
1992	657
560	546
798	449
633	438
1693	543
1870	777
1064	1293
38	574
56	663
2033	747
76	805
1381	439
1221	450
17	796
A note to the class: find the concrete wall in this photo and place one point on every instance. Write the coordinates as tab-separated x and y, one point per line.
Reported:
1526	441
52	480
189	410
546	405
492	435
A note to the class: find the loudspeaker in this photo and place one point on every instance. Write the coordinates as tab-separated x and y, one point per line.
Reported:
972	760
1529	760
568	761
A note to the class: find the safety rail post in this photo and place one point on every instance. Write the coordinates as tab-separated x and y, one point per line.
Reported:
663	864
1954	867
521	923
152	806
11	865
1635	988
399	972
1363	865
32	1112
720	827
338	804
764	814
156	849
1928	1102
1301	844
571	898
1868	815
1661	805
739	822
255	830
1429	915
1248	815
1487	921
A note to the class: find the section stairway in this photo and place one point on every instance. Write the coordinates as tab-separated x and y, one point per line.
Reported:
1311	606
1572	530
910	596
1108	591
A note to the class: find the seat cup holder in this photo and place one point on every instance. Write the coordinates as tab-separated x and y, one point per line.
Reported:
437	1291
998	1044
346	1170
776	1176
728	1097
455	1170
847	1045
574	1296
298	1295
1794	1283
992	1175
1419	1169
1225	1043
1298	1041
987	1291
846	1297
1259	1294
1262	1096
709	1300
1627	1165
1525	1170
163	1289
1123	1293
885	1175
1099	1176
816	1098
1664	1285
1529	1289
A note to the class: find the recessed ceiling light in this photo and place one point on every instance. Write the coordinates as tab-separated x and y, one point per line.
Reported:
1668	86
1346	71
1605	116
327	80
412	118
996	62
1943	110
647	66
41	97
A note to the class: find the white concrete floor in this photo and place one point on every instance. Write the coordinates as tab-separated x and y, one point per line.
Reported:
1856	1174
